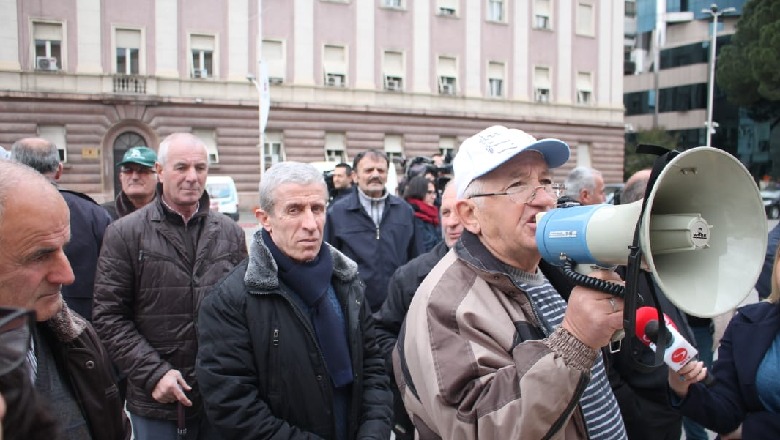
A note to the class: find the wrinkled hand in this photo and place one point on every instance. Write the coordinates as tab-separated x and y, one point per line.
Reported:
593	316
171	389
692	372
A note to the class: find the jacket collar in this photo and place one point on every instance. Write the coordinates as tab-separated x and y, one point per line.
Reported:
353	200
261	271
760	312
66	325
160	210
471	251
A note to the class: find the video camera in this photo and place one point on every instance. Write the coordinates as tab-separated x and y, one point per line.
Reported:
422	165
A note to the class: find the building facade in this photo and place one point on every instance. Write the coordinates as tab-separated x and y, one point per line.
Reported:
410	77
675	35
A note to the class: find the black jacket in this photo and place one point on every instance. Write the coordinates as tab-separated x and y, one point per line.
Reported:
120	207
260	367
85	364
147	294
88	222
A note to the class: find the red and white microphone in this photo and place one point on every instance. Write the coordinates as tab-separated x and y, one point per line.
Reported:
678	352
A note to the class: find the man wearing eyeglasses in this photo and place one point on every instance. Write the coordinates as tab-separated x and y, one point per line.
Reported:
489	348
138	179
67	363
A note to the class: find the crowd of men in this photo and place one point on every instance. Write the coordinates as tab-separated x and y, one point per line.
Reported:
332	322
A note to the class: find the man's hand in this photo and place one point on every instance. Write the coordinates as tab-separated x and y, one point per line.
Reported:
692	372
171	389
593	316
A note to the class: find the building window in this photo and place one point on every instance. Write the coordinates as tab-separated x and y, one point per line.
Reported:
584	88
394	4
202	55
542	84
209	137
585	19
47	38
583	155
542	14
273	148
273	55
394	71
335	147
448	75
335	66
447	8
56	135
128	46
447	144
495	10
495	79
394	147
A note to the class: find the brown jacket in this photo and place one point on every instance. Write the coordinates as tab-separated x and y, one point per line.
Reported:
148	290
472	362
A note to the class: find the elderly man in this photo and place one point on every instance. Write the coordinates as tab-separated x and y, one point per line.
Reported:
138	179
88	222
67	363
586	186
287	344
154	270
400	292
489	349
372	227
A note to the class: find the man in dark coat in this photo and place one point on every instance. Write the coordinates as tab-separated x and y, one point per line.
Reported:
286	341
154	270
373	228
138	179
88	222
67	364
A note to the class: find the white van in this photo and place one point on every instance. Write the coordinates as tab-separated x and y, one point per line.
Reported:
223	195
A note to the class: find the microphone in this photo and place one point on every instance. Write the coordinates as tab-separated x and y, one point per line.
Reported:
678	352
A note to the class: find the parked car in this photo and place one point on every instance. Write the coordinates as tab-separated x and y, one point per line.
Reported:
223	195
771	198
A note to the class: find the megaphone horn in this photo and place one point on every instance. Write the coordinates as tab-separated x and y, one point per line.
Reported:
703	233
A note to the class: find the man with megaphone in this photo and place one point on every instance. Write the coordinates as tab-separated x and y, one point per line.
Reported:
489	349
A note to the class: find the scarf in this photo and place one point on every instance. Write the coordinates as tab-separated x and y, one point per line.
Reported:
425	212
311	282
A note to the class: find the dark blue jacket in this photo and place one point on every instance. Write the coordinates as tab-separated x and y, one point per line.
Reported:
377	251
88	222
733	398
764	283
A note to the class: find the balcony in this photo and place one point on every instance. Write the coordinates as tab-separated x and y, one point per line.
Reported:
129	84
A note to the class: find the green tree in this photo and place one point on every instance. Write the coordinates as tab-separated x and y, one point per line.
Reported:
748	70
633	161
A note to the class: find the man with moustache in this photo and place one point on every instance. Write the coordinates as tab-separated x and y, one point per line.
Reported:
138	180
489	349
154	270
372	227
67	363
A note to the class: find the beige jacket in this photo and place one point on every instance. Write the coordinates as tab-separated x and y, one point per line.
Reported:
472	362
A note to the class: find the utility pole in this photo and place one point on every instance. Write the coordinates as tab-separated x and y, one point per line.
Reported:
715	13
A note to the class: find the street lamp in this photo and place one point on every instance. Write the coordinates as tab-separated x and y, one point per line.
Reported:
715	13
251	78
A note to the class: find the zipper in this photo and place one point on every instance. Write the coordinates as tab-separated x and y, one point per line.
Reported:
276	337
377	232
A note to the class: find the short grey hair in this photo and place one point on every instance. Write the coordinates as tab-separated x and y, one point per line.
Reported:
580	178
11	174
288	172
162	153
37	153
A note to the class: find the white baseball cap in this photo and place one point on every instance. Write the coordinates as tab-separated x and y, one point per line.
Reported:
491	147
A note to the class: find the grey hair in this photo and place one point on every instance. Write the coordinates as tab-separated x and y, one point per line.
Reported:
475	187
580	178
43	158
11	174
635	190
287	172
162	153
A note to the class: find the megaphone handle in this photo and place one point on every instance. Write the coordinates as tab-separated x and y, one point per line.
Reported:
589	282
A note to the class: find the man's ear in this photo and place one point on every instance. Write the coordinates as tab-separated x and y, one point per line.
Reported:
58	173
263	218
466	210
158	169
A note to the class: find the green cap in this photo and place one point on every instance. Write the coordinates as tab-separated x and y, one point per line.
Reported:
141	155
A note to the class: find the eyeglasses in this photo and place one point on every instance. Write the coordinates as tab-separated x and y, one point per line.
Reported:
16	326
139	170
525	194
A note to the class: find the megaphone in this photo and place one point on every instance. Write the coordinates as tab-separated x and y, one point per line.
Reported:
703	233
